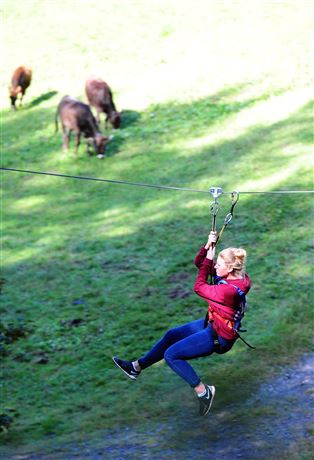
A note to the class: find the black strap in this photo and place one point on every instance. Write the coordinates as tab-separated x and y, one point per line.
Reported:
246	343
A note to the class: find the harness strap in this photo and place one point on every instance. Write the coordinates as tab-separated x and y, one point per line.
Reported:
246	343
215	315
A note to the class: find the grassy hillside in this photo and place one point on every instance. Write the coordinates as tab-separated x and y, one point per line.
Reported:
218	94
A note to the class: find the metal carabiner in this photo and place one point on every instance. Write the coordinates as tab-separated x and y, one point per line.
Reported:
214	208
234	199
228	218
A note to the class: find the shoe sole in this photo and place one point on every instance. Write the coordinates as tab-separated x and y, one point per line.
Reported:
132	377
212	390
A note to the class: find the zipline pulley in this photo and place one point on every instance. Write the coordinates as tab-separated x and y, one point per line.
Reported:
214	206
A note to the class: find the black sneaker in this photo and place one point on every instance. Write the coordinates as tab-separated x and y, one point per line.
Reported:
206	400
126	367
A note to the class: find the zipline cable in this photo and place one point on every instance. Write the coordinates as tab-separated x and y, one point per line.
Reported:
140	184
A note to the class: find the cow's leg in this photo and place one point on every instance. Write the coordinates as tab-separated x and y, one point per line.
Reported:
66	137
77	143
87	147
21	97
98	116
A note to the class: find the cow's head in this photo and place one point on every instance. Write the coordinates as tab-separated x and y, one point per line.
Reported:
99	142
115	119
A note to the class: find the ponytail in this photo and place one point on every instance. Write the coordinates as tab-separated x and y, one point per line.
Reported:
234	258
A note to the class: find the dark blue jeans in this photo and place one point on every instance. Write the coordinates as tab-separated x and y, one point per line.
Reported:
186	342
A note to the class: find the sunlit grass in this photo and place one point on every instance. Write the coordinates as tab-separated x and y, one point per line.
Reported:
272	110
198	49
25	205
277	179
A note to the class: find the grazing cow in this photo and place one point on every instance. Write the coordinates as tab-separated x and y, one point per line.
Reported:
77	116
21	79
99	95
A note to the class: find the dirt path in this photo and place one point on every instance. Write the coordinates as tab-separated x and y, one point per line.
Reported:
283	413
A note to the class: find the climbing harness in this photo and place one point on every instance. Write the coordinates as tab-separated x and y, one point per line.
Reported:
239	314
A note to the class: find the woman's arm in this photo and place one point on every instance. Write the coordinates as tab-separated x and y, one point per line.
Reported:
203	288
200	256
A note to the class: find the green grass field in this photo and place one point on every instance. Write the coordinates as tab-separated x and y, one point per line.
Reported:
212	93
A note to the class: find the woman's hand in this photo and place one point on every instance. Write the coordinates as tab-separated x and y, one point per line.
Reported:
210	245
212	238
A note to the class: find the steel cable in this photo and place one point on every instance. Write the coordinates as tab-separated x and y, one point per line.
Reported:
139	184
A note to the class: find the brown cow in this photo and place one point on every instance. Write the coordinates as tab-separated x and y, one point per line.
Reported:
99	95
21	79
77	116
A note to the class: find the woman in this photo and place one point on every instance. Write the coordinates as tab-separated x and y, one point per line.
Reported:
196	339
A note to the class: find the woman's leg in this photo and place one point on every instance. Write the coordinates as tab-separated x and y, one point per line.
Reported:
194	346
174	335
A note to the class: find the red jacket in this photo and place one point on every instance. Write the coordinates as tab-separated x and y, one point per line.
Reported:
223	299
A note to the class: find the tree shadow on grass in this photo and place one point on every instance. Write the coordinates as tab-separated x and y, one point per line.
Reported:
44	97
96	269
129	117
262	148
114	245
172	121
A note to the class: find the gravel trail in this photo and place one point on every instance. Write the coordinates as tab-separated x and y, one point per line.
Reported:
283	422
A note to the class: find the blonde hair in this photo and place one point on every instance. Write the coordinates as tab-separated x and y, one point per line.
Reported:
234	258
